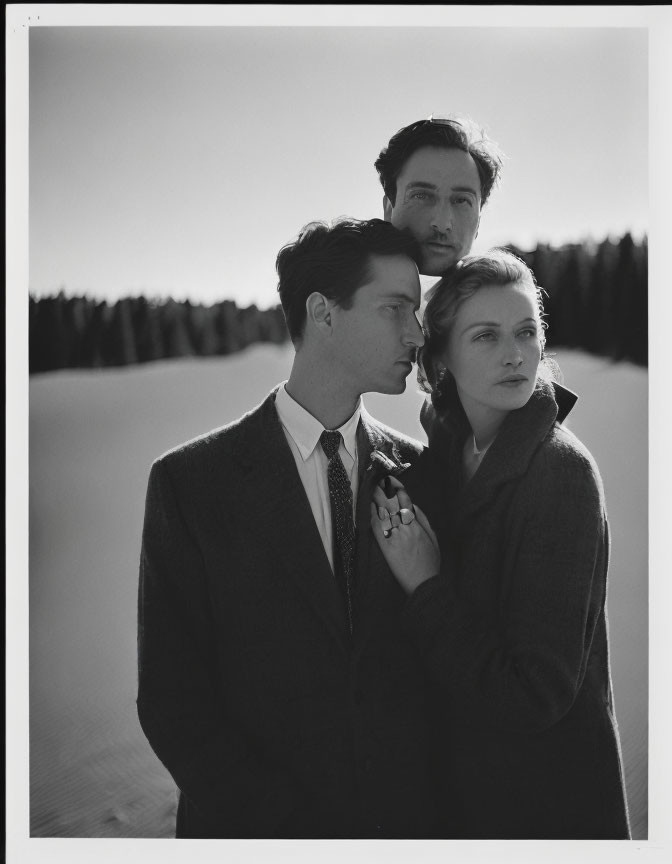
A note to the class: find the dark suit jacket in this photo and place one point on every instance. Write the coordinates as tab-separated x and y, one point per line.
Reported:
514	631
272	721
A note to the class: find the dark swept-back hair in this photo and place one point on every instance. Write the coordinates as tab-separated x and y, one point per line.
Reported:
497	268
333	260
450	133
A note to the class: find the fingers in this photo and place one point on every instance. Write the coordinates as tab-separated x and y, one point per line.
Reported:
383	520
384	523
387	490
406	516
404	499
381	524
377	524
385	494
391	484
387	513
388	508
388	487
392	497
381	516
382	501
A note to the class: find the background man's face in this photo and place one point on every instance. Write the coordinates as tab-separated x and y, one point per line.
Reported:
439	202
377	337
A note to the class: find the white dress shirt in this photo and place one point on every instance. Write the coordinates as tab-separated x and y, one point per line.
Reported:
303	432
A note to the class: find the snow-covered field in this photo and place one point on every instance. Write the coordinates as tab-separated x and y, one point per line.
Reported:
93	437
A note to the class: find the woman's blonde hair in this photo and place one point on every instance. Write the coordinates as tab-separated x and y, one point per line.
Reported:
498	267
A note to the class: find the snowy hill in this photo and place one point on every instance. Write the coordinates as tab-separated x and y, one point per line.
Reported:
93	437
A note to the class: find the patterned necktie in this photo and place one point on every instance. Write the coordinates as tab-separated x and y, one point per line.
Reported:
340	495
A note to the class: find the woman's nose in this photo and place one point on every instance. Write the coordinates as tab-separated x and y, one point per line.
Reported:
513	356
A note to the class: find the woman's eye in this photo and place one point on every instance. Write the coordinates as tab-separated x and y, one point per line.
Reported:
528	333
484	337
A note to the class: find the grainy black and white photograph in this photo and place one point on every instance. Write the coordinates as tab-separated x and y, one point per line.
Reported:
337	373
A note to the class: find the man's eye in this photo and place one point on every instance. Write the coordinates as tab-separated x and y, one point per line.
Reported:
463	199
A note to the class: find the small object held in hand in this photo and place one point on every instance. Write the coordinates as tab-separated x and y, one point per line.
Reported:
386	464
387	532
388	488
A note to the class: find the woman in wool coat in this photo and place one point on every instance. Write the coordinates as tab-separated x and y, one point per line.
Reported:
506	596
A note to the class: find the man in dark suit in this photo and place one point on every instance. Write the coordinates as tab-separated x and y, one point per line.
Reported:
274	681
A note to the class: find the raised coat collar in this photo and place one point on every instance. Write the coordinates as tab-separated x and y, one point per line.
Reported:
511	452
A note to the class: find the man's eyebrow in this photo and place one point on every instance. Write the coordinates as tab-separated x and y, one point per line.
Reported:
423	184
469	189
420	184
399	295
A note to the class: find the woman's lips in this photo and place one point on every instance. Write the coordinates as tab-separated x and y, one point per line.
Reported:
513	382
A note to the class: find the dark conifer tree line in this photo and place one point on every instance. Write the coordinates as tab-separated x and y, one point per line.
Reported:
596	296
78	332
596	300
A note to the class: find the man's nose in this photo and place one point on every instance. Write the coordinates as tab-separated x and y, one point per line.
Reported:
442	216
413	334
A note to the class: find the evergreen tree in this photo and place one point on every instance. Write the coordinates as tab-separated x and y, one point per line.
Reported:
175	334
147	328
226	325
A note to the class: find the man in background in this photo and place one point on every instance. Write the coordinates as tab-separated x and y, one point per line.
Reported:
437	175
274	680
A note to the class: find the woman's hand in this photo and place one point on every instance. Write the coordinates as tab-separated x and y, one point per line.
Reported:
405	537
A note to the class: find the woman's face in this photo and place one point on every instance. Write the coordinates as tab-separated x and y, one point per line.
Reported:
494	349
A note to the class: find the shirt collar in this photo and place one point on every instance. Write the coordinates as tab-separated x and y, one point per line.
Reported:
306	429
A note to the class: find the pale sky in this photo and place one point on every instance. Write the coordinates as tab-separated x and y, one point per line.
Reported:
178	160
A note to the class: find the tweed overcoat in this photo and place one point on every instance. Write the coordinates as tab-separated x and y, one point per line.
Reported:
273	720
514	631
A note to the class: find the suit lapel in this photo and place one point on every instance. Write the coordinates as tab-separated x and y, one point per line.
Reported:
369	438
362	514
272	489
371	568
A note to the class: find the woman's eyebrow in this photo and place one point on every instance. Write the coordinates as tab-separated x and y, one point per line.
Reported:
496	324
481	324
